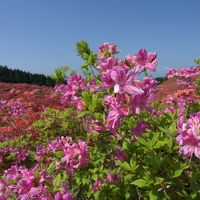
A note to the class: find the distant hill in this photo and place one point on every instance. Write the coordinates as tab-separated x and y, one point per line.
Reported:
18	76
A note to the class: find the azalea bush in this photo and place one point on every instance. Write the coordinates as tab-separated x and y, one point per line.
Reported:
112	141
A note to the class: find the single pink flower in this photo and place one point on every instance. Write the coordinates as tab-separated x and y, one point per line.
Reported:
146	60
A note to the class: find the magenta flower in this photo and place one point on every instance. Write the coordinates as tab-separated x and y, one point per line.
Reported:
189	136
41	151
130	61
121	80
95	125
2	102
78	103
120	154
183	73
17	109
76	81
91	85
97	184
113	178
63	196
140	101
106	63
35	192
24	185
118	108
140	128
146	60
107	48
113	120
12	173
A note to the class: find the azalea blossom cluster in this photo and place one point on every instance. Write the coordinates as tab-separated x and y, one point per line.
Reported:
32	183
71	90
19	154
75	155
125	94
17	109
178	100
184	76
184	73
128	94
111	179
25	184
189	136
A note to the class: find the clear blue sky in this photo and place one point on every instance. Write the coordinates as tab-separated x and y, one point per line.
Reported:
40	35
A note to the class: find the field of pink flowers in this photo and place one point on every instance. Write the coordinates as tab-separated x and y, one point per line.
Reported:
104	134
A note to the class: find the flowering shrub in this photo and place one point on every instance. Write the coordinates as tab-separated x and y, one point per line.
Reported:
111	141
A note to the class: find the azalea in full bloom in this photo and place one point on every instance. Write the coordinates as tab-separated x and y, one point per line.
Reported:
108	48
189	136
122	80
140	128
146	60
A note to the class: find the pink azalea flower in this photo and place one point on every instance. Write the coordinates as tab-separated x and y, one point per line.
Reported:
140	128
120	154
106	63
77	102
76	81
121	80
113	120
113	178
63	196
146	60
97	184
95	125
130	61
12	173
189	136
108	48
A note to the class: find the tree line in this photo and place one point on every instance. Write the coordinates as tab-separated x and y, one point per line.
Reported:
18	76
161	79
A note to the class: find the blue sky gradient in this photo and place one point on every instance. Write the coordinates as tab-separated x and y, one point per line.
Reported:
40	35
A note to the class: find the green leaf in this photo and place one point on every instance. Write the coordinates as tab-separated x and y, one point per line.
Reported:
172	129
152	195
59	154
57	181
125	166
154	140
178	172
83	113
93	106
133	165
87	98
85	65
140	183
90	58
94	177
32	154
51	167
143	142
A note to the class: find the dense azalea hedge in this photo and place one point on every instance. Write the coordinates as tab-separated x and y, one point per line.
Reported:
111	141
